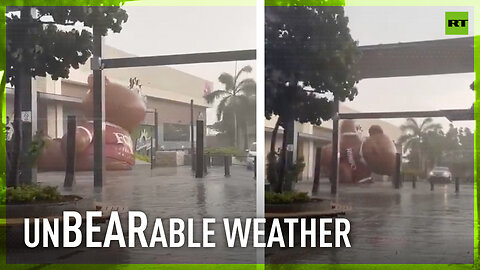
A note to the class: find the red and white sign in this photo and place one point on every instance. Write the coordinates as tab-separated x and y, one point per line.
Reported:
207	89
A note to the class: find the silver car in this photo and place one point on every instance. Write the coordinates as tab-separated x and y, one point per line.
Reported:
251	154
440	175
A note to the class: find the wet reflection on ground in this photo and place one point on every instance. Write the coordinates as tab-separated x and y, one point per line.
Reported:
396	226
163	193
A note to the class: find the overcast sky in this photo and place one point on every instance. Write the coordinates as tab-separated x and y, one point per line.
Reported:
172	30
382	25
176	30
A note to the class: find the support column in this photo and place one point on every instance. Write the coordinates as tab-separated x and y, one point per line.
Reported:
156	130
335	154
291	155
316	175
199	156
98	111
54	111
192	135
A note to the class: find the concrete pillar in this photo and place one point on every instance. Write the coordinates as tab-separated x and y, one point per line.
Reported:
199	155
316	178
311	159
54	111
192	136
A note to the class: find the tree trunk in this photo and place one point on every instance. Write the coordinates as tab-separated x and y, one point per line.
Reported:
274	136
272	165
235	131
18	172
423	166
283	160
245	135
12	173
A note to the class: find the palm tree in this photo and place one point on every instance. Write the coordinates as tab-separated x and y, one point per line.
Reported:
235	98
415	139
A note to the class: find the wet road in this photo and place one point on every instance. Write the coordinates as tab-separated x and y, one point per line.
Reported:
396	226
163	193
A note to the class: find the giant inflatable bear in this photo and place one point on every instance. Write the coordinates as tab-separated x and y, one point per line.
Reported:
124	110
360	157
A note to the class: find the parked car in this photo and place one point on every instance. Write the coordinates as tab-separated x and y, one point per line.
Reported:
440	175
251	154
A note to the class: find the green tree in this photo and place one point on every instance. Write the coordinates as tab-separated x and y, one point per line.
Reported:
51	40
309	62
418	140
237	101
57	39
459	152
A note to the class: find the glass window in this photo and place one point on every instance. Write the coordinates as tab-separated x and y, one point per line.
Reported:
176	132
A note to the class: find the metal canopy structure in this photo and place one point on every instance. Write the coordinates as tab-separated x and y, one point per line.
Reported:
452	115
432	57
179	59
98	64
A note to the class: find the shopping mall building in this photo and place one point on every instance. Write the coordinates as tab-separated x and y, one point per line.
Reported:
167	90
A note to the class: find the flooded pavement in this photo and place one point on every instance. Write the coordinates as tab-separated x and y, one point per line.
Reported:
396	226
159	193
387	225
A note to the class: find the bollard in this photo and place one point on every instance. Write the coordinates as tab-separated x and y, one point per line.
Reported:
226	163
431	185
255	167
193	161
152	154
70	158
209	161
205	164
398	163
316	175
457	184
414	182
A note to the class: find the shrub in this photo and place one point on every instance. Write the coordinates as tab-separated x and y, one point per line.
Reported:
142	157
223	151
36	147
32	193
292	173
286	197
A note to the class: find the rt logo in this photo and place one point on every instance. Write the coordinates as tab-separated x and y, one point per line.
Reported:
456	23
